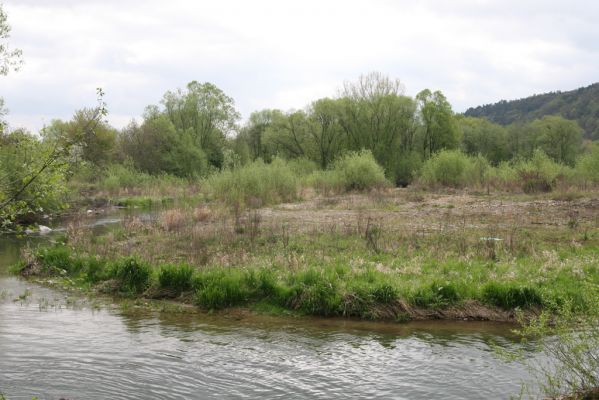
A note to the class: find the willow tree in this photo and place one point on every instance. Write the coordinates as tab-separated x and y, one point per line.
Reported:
439	129
204	112
377	116
10	59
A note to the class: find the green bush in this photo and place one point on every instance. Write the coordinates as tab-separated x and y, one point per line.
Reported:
360	171
255	184
133	274
539	174
175	277
354	171
123	176
454	169
406	168
509	296
327	182
302	166
587	166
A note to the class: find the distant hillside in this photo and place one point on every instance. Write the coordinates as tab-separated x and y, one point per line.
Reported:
581	105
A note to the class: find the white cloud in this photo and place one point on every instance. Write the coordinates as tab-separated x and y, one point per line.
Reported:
275	54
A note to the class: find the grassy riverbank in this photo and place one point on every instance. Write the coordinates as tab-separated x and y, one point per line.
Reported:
391	254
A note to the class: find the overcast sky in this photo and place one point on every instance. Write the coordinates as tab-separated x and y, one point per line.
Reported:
284	54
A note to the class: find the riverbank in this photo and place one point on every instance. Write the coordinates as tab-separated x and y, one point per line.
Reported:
390	255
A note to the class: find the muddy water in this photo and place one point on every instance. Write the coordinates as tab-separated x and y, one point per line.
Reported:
55	345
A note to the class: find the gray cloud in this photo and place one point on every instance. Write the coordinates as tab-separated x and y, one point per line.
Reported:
269	53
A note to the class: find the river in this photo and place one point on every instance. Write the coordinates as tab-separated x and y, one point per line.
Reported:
56	345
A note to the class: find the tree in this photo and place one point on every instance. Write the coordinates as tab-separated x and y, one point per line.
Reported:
559	138
9	59
253	134
438	123
95	142
481	136
156	147
375	115
37	164
325	130
288	135
206	114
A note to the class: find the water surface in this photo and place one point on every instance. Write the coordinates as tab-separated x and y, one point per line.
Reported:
54	344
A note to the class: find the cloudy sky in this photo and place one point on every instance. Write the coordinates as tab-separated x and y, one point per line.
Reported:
284	54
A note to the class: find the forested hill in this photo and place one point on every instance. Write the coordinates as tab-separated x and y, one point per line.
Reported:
581	105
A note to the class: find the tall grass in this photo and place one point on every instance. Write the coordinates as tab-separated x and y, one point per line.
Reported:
330	288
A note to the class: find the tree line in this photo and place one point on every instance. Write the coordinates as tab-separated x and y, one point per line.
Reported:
195	131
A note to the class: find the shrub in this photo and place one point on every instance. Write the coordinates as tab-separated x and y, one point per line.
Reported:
354	171
510	296
132	274
539	174
454	169
175	277
302	166
406	167
117	177
360	171
255	184
587	166
326	182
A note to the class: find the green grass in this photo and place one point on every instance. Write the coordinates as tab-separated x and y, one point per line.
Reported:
333	288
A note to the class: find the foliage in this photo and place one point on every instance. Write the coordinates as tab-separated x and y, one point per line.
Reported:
22	161
571	343
480	136
9	59
587	166
439	130
353	171
559	138
122	176
539	174
203	113
254	185
580	105
455	169
156	147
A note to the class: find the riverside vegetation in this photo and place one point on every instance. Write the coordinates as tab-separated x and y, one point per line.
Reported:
300	211
495	224
352	247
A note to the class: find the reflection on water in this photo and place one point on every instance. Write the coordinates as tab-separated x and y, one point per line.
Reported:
50	347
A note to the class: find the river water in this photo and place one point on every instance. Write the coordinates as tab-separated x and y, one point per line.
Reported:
56	345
